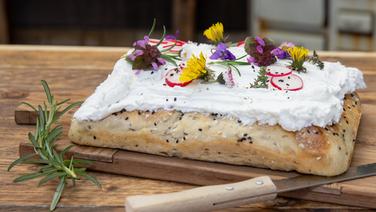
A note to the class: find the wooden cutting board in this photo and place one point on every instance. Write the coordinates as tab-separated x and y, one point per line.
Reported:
360	192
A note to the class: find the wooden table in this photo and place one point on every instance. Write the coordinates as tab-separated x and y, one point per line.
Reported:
71	69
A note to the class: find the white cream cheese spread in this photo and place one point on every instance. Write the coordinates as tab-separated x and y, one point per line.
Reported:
319	101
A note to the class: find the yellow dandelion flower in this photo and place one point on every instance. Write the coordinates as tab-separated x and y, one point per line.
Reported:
298	52
298	55
195	69
215	32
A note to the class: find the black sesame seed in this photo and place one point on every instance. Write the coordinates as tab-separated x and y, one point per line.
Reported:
171	74
164	84
174	99
287	84
199	129
347	122
94	137
167	140
155	123
126	118
177	141
245	134
184	138
166	100
281	80
136	145
239	121
152	112
115	114
139	112
185	133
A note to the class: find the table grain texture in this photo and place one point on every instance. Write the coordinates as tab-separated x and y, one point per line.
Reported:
72	69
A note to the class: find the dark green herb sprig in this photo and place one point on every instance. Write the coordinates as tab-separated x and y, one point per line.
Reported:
314	59
53	164
262	80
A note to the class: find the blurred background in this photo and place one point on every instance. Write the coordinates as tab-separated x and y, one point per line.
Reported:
317	24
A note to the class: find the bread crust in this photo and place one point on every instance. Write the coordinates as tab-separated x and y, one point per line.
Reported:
211	137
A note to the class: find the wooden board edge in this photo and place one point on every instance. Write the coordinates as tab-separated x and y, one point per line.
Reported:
186	171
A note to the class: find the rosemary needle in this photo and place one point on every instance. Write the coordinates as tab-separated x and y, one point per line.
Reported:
53	164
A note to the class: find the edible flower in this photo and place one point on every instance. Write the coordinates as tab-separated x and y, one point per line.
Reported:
298	56
281	51
145	56
259	51
226	78
173	36
221	52
195	69
215	33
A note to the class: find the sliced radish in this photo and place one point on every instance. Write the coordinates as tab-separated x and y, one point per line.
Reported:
172	78
278	71
291	82
168	44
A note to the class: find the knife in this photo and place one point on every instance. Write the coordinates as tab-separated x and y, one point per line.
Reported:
208	198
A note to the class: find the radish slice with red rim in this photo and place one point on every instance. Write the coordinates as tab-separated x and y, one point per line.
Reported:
278	71
291	82
172	78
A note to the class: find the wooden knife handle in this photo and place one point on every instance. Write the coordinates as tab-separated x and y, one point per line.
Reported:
206	198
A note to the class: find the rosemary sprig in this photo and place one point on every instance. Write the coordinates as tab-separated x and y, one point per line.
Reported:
262	80
53	164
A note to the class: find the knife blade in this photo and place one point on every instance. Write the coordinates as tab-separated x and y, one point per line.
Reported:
257	189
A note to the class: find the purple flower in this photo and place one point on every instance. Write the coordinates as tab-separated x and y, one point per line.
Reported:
229	79
251	60
145	56
279	53
260	41
286	45
259	49
141	43
172	36
221	52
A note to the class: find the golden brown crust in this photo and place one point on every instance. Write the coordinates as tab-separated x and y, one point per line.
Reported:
322	151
